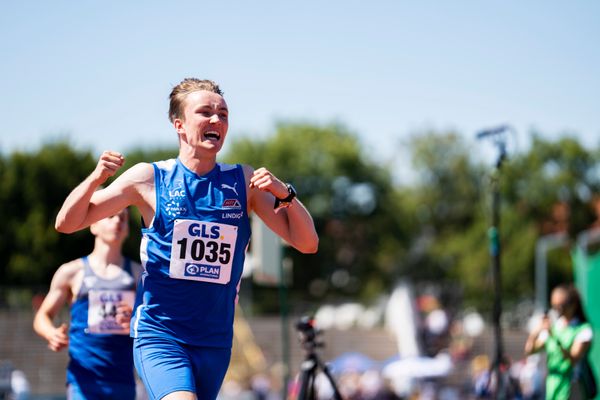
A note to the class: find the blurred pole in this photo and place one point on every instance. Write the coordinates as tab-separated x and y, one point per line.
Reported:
494	238
285	334
499	367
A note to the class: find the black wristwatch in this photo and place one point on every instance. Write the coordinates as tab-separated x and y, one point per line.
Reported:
286	202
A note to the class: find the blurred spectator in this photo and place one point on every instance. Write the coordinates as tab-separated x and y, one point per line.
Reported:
434	327
261	386
233	390
529	374
485	380
20	385
13	382
460	343
370	385
566	342
481	378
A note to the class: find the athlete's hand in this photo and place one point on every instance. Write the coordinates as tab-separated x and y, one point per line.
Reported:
59	338
108	164
264	180
123	316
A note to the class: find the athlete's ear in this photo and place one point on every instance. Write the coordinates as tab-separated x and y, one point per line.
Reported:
179	128
178	124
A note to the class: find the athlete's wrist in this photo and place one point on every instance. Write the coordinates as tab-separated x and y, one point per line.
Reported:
287	201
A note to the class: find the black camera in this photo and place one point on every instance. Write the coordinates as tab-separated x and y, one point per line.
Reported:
305	324
307	330
307	333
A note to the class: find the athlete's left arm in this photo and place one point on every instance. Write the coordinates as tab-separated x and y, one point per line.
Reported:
293	224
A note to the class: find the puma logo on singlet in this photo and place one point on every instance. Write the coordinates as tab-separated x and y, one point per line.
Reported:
226	186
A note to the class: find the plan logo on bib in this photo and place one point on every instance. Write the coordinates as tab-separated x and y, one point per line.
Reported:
202	270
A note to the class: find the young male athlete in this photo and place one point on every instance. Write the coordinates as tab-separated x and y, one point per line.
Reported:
100	288
195	212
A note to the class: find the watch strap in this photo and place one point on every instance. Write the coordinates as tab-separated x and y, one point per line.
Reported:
287	201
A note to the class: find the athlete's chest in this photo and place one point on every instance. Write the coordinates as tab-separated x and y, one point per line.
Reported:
221	199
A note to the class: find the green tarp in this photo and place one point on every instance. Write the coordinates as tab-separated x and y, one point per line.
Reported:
587	279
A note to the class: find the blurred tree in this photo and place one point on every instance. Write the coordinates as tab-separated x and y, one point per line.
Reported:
448	241
353	203
543	191
32	189
370	232
550	189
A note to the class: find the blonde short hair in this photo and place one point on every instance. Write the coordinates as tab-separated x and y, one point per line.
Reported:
185	87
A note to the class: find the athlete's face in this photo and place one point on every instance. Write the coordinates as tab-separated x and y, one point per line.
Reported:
113	229
205	121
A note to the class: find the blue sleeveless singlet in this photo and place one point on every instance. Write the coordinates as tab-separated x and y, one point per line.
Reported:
193	255
96	352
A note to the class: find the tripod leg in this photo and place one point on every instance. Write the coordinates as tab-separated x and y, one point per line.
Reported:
307	379
336	392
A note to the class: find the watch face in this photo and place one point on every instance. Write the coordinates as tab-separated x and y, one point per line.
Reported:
292	193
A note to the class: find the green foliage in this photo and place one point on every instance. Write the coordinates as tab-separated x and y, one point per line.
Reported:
32	189
448	240
371	232
533	185
452	207
352	201
552	172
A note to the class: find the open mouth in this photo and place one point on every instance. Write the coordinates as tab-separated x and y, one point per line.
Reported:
212	135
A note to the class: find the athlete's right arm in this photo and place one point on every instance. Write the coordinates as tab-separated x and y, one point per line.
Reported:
60	292
86	205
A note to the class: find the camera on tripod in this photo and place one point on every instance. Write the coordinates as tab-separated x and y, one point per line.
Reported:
307	331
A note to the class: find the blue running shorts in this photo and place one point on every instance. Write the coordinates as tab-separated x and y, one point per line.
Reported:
100	391
166	366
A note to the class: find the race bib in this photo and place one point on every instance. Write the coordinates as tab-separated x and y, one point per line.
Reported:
102	310
202	251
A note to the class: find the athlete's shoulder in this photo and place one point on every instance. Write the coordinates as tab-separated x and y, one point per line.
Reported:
66	273
72	266
224	167
131	179
140	171
248	171
166	165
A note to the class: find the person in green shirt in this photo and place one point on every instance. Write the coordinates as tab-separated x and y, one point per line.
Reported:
566	342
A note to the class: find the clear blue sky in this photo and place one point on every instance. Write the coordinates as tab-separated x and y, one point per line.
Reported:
99	72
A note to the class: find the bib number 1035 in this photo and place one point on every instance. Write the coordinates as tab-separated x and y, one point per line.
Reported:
202	251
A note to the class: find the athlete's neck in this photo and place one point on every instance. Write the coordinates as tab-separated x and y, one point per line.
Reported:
106	254
199	165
